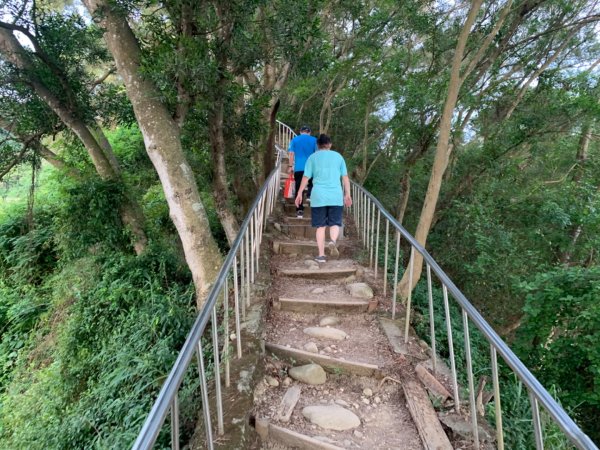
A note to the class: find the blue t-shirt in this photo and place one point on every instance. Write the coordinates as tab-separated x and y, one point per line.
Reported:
302	146
326	167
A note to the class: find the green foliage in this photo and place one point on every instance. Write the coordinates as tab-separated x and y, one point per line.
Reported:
119	334
560	334
89	218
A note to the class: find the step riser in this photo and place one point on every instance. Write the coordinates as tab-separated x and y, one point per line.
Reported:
306	232
318	274
309	307
298	249
330	364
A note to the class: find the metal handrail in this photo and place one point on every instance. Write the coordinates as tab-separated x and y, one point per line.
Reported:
364	208
250	234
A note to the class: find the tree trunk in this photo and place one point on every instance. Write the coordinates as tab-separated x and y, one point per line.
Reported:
582	156
102	157
220	185
404	194
441	153
163	145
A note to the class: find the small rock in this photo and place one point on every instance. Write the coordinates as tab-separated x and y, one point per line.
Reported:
366	401
333	346
342	403
288	345
309	374
232	337
311	347
287	381
331	417
317	290
311	265
327	349
368	392
377	400
358	434
360	290
360	271
271	381
350	279
328	321
325	333
347	443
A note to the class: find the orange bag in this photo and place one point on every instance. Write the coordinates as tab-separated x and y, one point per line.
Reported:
288	188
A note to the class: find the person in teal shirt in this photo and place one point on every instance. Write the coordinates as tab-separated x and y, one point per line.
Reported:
327	169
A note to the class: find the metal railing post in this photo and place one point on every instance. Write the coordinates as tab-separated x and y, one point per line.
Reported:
431	321
410	288
175	423
497	403
377	243
204	393
217	363
451	349
385	258
470	380
395	291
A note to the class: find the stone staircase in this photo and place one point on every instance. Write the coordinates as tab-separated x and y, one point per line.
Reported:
336	374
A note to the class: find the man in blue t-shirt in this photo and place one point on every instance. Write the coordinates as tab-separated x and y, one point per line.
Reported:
328	171
301	147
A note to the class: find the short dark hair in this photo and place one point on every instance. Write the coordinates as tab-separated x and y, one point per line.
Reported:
323	139
304	128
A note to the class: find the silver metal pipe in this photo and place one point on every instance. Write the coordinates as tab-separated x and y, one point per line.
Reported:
226	332
385	257
252	245
364	225
497	403
204	392
537	425
451	349
238	335
377	243
372	236
248	257
243	298
395	291
471	381
431	321
410	288
217	363
367	223
175	422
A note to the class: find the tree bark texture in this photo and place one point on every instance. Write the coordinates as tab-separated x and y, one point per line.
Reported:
441	153
163	145
220	184
100	152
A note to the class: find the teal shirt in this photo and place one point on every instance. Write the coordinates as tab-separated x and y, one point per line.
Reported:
326	167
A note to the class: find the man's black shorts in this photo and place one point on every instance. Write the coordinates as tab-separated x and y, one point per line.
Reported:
326	216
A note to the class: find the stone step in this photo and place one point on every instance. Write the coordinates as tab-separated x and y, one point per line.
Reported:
304	248
322	273
306	231
289	207
304	305
328	363
271	432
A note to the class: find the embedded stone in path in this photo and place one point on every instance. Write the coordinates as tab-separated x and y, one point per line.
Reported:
317	290
309	374
360	290
326	333
311	265
311	347
331	417
329	321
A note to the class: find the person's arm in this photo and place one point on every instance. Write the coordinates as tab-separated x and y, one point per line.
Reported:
301	190
347	197
291	157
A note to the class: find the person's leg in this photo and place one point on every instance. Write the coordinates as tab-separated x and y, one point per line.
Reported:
319	221
309	188
334	232
298	179
321	240
334	220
